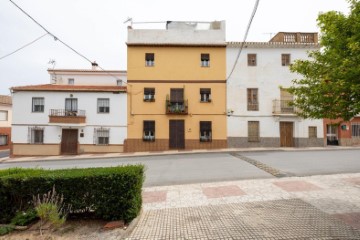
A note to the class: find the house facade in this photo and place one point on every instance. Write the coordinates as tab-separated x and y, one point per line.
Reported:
71	115
258	105
177	87
5	121
343	133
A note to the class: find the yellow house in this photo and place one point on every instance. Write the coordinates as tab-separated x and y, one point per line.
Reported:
177	87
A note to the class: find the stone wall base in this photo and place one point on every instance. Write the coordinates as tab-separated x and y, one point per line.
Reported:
242	142
349	141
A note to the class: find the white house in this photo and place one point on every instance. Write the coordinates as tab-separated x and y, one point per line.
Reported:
82	111
5	121
259	114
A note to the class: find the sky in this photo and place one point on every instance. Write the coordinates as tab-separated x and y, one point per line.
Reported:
96	29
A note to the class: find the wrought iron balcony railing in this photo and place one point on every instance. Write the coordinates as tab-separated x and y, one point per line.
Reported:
283	107
176	107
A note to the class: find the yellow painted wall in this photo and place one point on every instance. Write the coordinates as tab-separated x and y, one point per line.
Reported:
192	126
176	63
36	149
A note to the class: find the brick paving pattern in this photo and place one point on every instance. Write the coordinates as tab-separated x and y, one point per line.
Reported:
279	219
316	207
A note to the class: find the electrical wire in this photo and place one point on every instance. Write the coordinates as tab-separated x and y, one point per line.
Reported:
65	44
245	37
55	38
28	44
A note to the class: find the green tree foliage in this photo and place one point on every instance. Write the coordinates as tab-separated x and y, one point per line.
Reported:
330	84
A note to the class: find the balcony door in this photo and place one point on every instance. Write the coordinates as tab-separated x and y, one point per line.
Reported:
71	106
177	134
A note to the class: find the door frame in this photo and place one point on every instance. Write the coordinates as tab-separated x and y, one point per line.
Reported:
284	127
62	143
179	134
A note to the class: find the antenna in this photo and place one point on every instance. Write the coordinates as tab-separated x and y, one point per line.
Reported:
129	19
271	34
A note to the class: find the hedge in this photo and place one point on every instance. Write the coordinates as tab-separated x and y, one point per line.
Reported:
111	193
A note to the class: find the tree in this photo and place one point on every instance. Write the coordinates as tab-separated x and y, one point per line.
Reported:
330	84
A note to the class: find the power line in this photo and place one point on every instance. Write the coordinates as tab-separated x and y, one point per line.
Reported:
48	32
37	39
245	37
57	39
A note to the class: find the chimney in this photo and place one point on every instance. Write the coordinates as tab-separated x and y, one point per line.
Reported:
94	65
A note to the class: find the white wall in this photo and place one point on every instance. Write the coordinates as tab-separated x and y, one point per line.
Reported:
23	117
268	75
88	78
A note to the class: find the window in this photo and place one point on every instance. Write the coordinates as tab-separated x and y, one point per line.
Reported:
205	131
3	115
3	140
71	81
149	131
149	94
205	60
36	135
205	94
251	59
71	106
149	59
312	132
285	59
252	96
355	129
37	104
253	131
101	136
103	105
119	82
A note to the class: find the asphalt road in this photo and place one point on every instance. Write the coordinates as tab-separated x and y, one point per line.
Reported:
213	167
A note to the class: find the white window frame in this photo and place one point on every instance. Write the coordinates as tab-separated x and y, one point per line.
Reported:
38	102
103	105
4	115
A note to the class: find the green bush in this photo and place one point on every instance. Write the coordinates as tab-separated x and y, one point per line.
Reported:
109	193
23	218
5	230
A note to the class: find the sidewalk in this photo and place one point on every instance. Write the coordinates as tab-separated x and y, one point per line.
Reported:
171	152
316	207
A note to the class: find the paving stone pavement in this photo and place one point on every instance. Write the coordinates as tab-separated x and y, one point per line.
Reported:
316	207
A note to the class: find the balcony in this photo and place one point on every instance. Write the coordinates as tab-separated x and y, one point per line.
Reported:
283	107
65	116
180	108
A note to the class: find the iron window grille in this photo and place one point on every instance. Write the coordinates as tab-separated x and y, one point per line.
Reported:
149	131
355	130
101	136
38	104
36	135
205	131
103	105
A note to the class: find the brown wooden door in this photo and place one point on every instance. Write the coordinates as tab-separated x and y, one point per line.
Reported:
69	141
177	134
286	134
